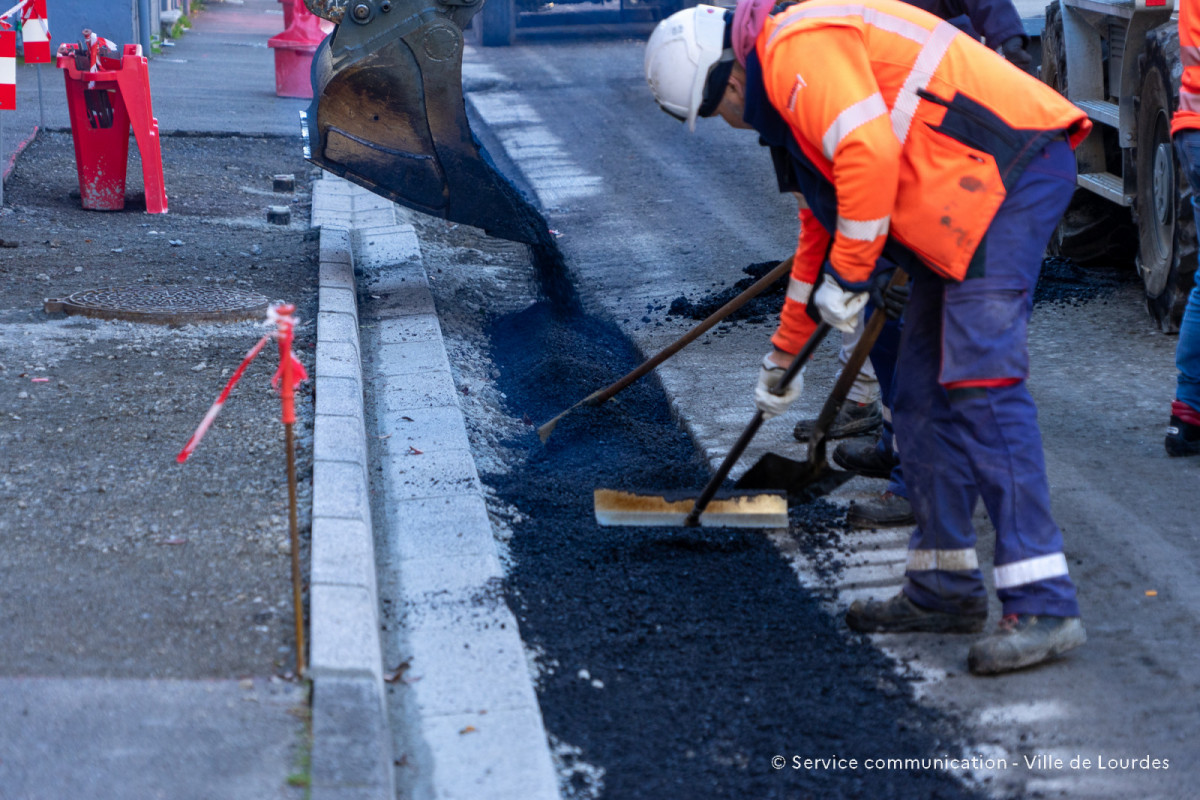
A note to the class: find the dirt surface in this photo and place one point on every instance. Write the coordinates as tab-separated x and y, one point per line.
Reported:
670	663
115	560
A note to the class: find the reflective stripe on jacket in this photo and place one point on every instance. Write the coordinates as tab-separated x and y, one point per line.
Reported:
1187	115
917	126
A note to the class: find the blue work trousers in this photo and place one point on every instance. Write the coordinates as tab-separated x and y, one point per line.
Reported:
1187	351
883	360
965	422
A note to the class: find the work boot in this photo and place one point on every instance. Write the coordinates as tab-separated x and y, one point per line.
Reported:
901	615
885	511
853	419
861	456
1022	640
1183	438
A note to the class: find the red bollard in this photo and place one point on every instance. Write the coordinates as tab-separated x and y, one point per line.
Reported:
294	50
104	105
288	12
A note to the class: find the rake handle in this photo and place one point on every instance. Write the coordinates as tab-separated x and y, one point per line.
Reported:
752	291
739	447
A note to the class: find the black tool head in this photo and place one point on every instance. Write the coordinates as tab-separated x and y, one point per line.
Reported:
802	480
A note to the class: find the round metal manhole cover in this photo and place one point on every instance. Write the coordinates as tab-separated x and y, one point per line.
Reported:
165	305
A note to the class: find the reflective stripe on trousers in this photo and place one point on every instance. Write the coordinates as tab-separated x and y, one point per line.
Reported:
962	445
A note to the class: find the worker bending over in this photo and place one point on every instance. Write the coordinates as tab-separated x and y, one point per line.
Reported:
917	145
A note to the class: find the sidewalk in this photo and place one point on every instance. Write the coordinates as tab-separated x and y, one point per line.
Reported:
145	612
218	78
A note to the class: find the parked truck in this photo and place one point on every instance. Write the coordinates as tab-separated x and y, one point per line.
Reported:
1119	61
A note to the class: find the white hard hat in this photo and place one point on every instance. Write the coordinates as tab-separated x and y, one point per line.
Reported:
679	56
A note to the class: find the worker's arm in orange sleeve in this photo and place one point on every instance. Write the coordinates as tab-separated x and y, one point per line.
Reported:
795	326
821	82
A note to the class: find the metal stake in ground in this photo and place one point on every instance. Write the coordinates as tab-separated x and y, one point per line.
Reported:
291	372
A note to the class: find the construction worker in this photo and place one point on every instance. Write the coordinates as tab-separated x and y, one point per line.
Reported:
1183	432
916	144
868	405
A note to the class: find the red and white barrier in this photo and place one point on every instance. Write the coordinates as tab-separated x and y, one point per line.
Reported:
8	70
35	32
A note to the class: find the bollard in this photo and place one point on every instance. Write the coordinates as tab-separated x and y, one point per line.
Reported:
294	50
104	105
288	12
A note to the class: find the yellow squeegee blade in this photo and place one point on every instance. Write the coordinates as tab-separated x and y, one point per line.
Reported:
756	509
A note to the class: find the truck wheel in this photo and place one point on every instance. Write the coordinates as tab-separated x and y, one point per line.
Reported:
497	20
1092	230
1166	226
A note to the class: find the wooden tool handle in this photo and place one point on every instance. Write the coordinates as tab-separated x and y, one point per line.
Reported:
739	447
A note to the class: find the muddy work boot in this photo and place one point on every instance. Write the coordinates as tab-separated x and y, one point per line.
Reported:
1183	439
1022	640
901	615
853	419
885	511
864	457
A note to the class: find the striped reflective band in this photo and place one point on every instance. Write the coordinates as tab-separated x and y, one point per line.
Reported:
1189	101
863	230
34	30
871	16
799	291
927	62
1190	56
8	70
853	117
934	44
1019	573
946	560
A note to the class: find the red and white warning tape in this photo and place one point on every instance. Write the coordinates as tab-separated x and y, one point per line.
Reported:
289	375
215	409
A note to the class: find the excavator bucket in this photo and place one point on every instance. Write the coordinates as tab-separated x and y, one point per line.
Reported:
388	114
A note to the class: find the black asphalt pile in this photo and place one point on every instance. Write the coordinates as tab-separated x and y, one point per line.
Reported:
1063	282
114	559
679	661
763	308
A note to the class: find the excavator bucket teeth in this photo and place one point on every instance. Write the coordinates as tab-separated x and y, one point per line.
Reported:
388	114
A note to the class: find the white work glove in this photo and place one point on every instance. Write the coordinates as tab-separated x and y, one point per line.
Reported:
772	405
839	307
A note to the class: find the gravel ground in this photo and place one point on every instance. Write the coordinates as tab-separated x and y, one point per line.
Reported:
115	561
668	663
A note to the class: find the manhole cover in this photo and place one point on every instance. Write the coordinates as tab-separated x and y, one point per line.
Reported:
163	304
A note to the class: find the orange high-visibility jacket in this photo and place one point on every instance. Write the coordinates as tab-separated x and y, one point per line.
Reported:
1187	115
919	128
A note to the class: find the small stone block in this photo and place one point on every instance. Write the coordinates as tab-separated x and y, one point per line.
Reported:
279	215
443	527
393	360
340	491
283	183
345	631
343	553
450	472
339	397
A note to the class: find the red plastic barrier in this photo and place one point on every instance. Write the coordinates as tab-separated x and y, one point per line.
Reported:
104	106
294	50
8	70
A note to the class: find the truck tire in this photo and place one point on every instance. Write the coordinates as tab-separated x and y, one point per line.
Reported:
1092	231
498	21
1166	226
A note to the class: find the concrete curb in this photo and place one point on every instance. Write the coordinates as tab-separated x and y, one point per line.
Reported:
466	714
351	757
